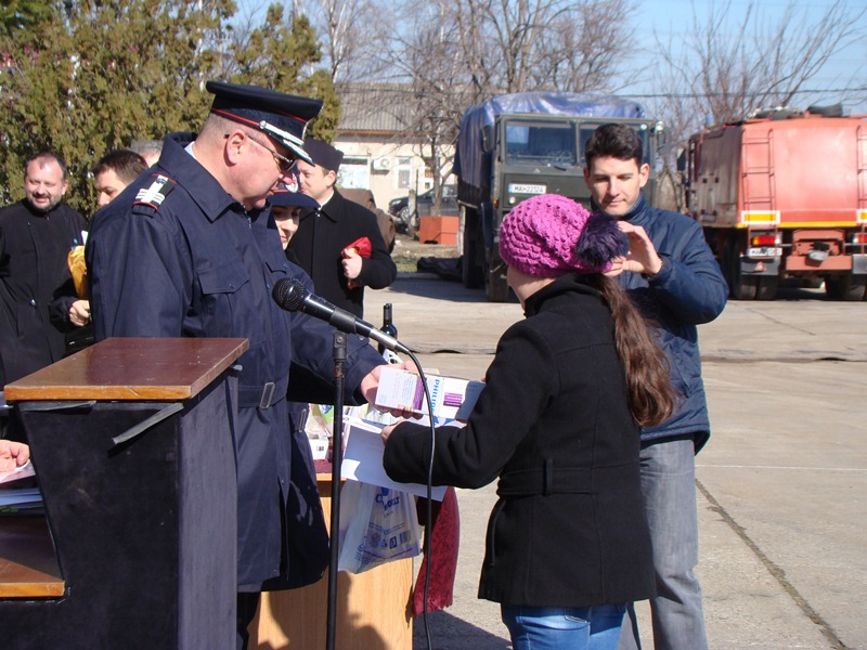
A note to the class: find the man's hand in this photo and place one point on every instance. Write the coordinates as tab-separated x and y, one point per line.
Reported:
370	383
642	256
79	313
12	455
351	265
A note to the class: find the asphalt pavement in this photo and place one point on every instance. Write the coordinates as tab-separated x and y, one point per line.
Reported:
782	483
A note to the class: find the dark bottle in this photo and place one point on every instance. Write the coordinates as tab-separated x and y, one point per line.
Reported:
387	324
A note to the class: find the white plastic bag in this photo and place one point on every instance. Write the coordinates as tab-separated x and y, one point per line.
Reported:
377	525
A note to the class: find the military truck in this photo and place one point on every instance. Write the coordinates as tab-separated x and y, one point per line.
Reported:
512	147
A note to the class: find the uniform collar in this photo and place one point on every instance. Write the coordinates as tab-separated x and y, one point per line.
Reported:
203	188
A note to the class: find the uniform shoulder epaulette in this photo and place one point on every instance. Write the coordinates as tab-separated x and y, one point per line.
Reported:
153	195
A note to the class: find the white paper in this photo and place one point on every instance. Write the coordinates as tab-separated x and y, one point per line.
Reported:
22	471
362	460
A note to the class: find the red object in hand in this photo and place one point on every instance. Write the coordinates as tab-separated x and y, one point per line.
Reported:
361	245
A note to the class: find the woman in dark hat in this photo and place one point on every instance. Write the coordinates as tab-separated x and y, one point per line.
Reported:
558	422
287	207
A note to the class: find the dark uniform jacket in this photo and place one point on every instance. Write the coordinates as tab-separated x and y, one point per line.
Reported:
569	529
33	272
321	237
689	290
175	255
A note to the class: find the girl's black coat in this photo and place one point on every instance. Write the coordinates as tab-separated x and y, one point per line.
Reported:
553	423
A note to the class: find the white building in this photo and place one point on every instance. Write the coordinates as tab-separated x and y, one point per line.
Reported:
380	153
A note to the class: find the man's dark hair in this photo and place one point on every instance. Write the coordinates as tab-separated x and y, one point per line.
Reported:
123	162
615	141
48	154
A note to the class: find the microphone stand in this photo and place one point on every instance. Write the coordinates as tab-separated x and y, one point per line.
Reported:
339	352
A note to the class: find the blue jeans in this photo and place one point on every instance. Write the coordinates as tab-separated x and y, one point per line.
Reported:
564	628
668	484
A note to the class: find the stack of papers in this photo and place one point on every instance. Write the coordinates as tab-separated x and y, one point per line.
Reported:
362	460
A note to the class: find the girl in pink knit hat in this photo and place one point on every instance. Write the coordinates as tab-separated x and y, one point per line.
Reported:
558	426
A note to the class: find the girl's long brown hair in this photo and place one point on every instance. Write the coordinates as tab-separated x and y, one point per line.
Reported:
651	395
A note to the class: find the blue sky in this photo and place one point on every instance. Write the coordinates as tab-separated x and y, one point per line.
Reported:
674	18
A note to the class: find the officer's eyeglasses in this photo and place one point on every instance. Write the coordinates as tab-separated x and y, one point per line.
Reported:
285	164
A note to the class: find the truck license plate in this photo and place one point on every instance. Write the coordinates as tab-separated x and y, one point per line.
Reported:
526	188
764	251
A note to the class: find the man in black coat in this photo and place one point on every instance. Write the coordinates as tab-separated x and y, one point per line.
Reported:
36	234
324	241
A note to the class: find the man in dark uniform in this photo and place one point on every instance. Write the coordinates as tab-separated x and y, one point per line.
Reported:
35	236
187	250
322	243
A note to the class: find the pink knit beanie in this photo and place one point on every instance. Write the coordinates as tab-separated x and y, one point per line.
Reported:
549	235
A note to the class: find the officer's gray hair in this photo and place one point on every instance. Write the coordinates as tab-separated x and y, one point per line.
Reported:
216	126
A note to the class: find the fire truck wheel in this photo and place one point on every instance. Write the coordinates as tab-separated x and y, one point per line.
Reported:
740	288
767	287
846	287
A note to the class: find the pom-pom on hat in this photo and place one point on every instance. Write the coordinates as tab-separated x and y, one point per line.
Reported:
548	235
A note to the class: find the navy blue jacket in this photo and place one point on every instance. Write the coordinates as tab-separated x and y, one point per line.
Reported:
175	255
689	290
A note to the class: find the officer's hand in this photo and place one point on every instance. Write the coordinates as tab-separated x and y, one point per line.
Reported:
79	313
12	455
370	384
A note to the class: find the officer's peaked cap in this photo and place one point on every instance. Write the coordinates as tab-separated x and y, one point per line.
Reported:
282	117
323	154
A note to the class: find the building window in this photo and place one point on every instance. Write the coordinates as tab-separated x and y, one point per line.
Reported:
354	172
404	172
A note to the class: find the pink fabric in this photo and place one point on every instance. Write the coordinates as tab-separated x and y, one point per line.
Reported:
539	235
444	542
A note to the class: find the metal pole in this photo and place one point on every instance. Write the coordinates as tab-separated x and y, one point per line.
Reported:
336	461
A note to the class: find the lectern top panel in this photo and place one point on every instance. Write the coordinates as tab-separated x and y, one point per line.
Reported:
131	369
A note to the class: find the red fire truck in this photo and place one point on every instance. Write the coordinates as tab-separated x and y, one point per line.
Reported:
784	195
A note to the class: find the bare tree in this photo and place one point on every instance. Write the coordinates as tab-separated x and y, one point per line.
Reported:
730	67
513	46
348	32
436	90
584	49
454	53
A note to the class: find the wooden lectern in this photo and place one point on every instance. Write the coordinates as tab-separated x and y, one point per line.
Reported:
132	444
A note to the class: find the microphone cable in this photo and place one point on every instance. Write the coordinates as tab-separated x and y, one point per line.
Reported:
428	524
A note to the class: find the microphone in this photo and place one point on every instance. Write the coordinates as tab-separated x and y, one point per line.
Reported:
291	295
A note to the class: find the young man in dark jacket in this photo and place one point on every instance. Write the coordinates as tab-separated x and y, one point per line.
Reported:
674	279
324	241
